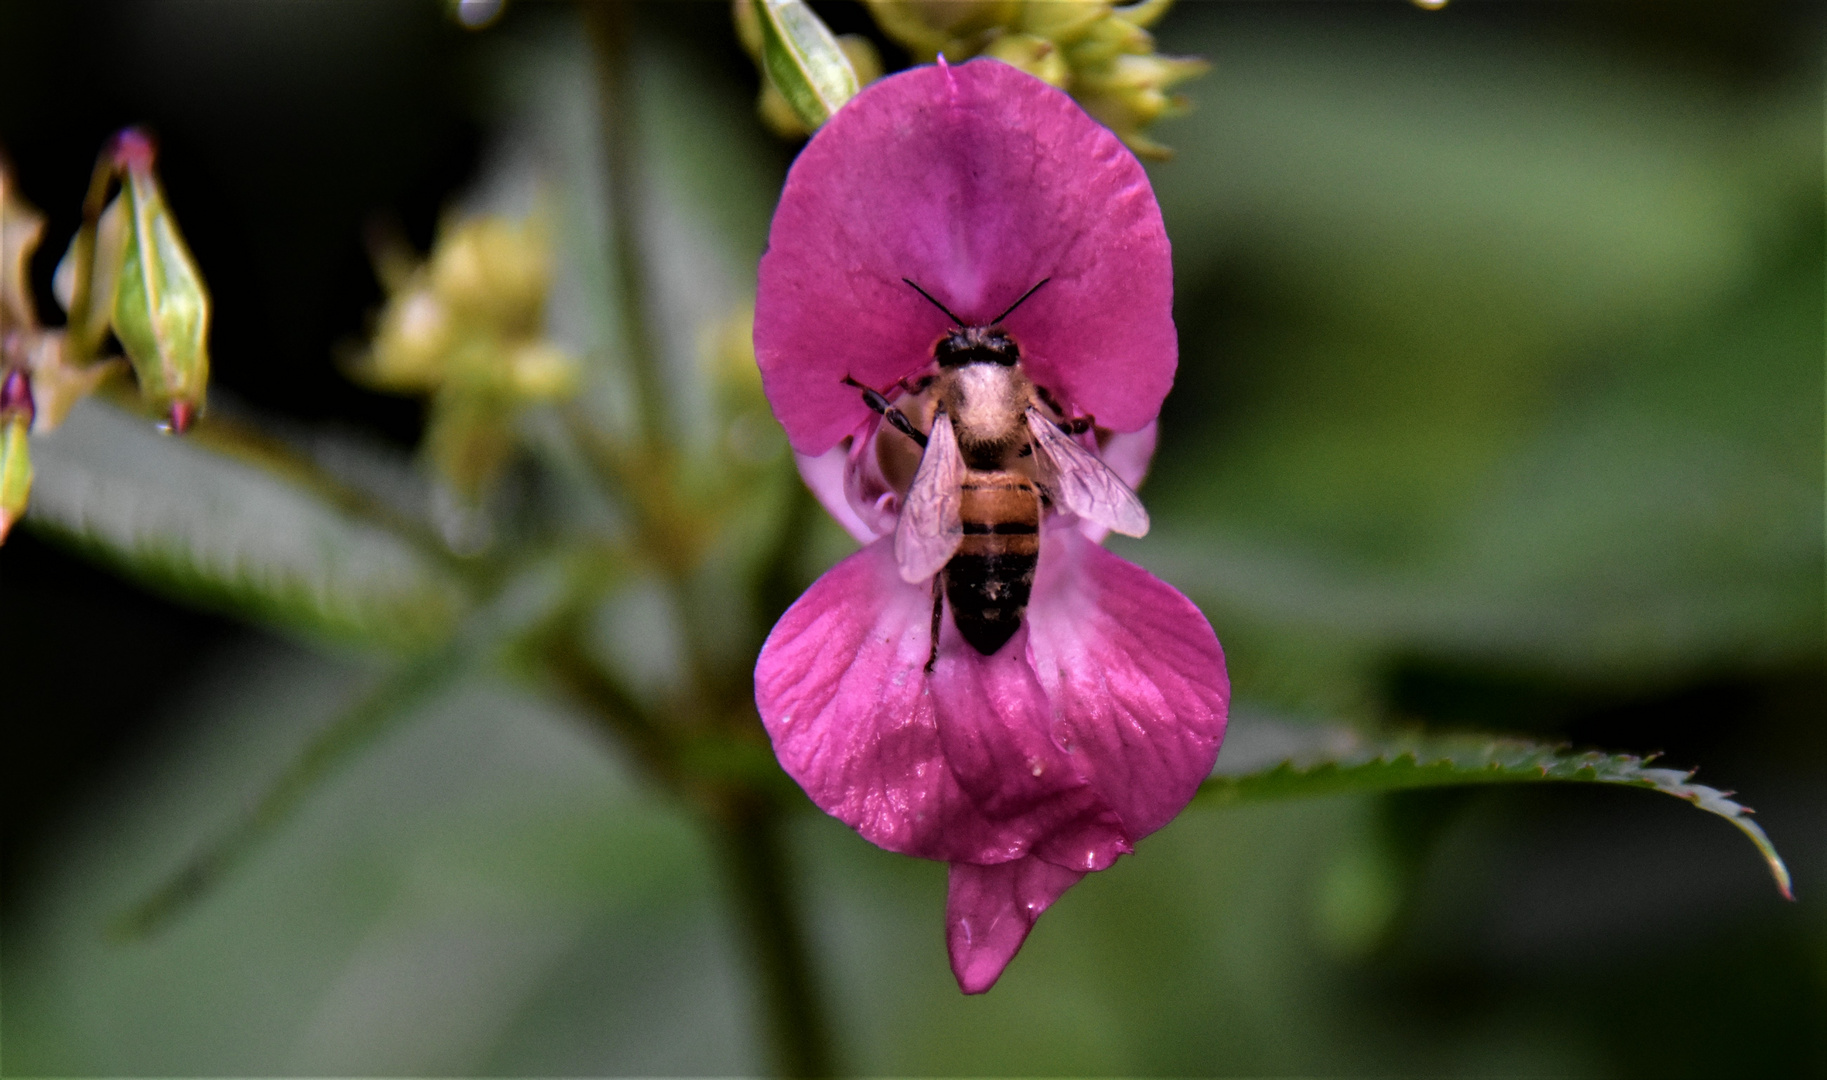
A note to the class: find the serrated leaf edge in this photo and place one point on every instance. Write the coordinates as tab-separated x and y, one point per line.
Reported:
1529	763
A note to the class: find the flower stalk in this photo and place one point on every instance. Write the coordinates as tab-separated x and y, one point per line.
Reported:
610	25
740	811
758	873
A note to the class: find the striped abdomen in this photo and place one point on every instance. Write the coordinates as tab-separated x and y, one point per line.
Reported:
990	577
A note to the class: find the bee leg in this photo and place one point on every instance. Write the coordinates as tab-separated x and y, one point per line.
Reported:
1073	425
919	385
893	415
1046	398
938	613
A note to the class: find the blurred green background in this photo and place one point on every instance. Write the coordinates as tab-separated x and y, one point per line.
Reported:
1500	407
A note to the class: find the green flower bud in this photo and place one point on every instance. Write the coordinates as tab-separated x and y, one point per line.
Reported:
541	371
1065	22
1130	93
1144	13
1100	53
465	327
493	271
958	28
807	73
412	344
1035	55
1103	40
772	105
161	307
16	410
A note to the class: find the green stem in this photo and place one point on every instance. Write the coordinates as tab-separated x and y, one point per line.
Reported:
335	746
81	346
743	820
756	866
614	709
610	24
744	827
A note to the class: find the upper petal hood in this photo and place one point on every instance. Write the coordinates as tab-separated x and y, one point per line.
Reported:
977	182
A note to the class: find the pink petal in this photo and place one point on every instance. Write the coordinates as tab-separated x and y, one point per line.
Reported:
977	182
995	726
824	474
1128	453
1135	676
842	690
989	911
960	766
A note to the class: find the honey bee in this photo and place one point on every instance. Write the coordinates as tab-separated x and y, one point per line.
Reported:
997	453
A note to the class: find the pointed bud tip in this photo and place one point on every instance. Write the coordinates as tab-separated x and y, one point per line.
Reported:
183	415
16	396
133	149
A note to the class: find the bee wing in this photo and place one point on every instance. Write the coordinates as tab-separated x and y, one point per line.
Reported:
931	525
1085	484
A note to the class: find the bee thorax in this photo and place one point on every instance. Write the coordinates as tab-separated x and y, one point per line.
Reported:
986	403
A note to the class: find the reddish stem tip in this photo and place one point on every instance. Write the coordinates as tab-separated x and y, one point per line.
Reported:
183	415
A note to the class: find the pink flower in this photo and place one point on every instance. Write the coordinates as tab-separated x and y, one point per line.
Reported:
1026	754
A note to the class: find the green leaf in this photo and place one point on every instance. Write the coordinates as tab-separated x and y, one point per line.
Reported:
1266	760
340	742
527	601
804	60
236	536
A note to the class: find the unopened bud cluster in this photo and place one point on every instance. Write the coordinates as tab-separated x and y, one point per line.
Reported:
127	275
1101	53
466	328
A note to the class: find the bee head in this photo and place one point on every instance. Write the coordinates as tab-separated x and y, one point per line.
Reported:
985	344
976	345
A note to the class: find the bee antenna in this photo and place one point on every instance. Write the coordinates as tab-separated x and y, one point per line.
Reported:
935	303
1016	304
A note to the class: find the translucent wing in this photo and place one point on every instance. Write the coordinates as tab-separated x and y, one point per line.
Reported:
931	528
1085	484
